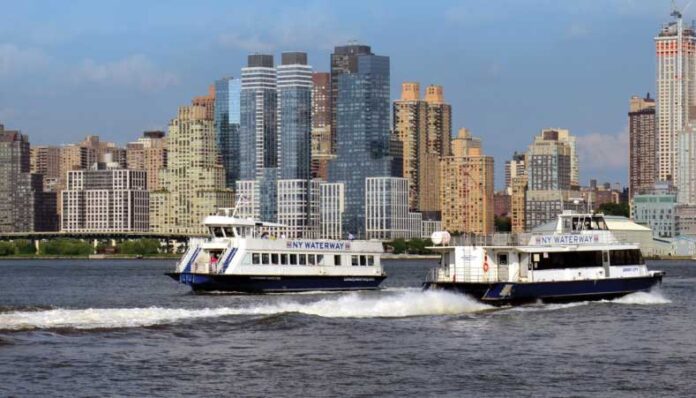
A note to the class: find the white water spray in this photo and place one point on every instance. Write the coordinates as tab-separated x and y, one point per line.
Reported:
403	304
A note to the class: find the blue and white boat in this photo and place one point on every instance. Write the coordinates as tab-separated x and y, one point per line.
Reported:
580	260
247	256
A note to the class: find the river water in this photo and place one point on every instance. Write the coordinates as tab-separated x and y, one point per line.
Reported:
122	328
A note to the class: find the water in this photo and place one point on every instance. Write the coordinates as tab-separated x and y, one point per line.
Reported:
122	328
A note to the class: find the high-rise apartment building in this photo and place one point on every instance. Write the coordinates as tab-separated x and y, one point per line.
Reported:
299	207
148	153
675	47
564	136
207	102
466	187
424	128
686	172
518	203
362	131
294	82
410	121
344	60
642	130
548	165
331	198
321	125
387	215
513	168
193	184
45	160
439	126
227	126
258	124
548	162
24	207
105	198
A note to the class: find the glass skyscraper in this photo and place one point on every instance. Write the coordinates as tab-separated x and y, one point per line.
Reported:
227	126
362	134
258	123
294	117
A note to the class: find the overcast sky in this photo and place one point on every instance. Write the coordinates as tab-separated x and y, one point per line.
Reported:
509	68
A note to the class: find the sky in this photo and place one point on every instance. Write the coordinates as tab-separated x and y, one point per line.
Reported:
508	67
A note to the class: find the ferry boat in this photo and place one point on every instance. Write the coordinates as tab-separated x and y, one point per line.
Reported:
580	260
248	256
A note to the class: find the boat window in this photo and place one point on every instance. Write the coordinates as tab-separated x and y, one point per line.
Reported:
363	260
247	259
293	259
265	259
312	259
503	259
274	258
320	259
255	258
337	259
370	260
599	223
626	257
576	259
228	231
217	232
354	261
303	259
284	259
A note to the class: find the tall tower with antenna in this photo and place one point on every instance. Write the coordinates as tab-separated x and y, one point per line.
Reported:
675	48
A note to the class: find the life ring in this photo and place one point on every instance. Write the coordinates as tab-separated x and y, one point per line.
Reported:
485	265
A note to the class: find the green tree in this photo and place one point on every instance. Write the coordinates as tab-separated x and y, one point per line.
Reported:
7	249
66	247
140	247
614	209
25	247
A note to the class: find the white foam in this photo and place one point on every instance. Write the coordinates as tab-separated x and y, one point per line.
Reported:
406	304
643	298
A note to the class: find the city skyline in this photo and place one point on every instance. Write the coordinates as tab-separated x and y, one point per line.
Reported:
501	90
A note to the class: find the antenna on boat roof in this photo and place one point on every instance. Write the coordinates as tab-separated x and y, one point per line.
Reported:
241	199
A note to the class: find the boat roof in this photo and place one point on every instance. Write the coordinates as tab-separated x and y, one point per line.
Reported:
228	221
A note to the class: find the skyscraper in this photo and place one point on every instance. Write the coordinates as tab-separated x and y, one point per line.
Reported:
686	172
362	131
24	207
513	168
294	116
675	47
642	132
466	187
410	123
548	166
439	128
148	153
424	128
258	122
321	124
563	135
193	184
344	60
227	126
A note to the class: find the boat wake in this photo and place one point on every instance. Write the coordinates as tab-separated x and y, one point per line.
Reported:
354	305
642	298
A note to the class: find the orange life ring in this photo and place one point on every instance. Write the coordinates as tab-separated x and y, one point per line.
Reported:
485	265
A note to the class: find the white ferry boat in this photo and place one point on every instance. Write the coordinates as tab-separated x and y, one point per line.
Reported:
581	260
247	256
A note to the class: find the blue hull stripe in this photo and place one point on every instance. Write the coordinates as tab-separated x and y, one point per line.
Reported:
511	292
228	258
191	260
269	284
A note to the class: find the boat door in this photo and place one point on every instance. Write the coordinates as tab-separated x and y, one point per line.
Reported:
503	261
605	262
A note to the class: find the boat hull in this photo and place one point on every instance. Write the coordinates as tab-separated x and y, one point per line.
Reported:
511	293
201	283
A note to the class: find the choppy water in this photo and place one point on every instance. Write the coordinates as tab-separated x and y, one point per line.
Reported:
122	328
